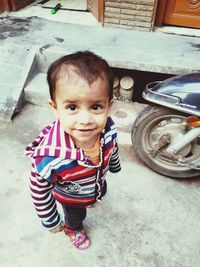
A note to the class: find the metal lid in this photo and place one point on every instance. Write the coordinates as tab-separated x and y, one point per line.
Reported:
126	82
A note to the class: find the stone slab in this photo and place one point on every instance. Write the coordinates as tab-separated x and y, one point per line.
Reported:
15	65
36	91
147	51
33	41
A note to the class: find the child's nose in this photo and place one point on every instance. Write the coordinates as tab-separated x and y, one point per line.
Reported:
85	117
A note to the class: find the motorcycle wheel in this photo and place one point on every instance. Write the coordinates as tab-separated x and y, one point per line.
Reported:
150	124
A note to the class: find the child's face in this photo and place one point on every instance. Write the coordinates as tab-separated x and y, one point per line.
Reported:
82	109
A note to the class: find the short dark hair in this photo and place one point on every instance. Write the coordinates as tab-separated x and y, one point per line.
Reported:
86	64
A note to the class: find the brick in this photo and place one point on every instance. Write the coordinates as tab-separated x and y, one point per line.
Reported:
119	16
127	22
114	1
143	24
129	6
113	10
144	8
127	17
129	11
145	19
111	15
113	4
141	2
125	27
144	13
111	20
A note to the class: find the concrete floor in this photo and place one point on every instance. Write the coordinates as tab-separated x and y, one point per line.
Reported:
145	220
64	15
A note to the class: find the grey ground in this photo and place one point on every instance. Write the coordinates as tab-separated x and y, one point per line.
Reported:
145	220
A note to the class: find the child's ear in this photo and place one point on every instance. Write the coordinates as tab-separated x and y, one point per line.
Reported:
53	107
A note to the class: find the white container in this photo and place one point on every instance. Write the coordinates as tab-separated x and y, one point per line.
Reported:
126	87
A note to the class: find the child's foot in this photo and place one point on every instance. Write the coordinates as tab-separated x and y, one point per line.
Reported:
89	206
78	237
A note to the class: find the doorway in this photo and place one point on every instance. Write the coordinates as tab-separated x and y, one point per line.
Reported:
185	13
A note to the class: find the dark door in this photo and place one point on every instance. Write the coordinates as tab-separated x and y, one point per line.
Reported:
182	13
4	5
18	4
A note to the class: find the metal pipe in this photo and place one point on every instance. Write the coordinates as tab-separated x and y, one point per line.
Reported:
185	140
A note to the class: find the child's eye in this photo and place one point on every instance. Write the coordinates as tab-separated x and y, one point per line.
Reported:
71	107
97	107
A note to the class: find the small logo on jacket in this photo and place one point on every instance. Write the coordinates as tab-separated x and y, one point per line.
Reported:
69	186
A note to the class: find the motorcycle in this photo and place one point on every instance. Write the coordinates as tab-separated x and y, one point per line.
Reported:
166	133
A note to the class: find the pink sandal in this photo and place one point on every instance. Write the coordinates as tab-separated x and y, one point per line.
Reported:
89	206
78	237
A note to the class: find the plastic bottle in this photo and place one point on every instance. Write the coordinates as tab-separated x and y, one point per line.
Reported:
55	9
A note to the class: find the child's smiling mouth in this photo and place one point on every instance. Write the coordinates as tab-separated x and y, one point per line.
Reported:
85	130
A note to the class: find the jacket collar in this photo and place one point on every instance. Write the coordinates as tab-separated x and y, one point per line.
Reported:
54	141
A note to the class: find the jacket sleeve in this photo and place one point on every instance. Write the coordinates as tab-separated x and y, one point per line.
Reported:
43	200
114	164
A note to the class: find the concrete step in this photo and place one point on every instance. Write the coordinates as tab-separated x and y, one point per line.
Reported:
20	64
30	43
37	91
16	64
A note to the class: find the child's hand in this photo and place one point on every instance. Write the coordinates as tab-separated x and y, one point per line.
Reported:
58	228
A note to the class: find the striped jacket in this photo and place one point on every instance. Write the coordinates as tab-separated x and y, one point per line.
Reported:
62	172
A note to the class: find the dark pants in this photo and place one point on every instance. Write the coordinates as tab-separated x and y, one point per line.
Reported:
74	216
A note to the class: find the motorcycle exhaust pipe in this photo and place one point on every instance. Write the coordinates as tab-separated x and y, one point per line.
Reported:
185	140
